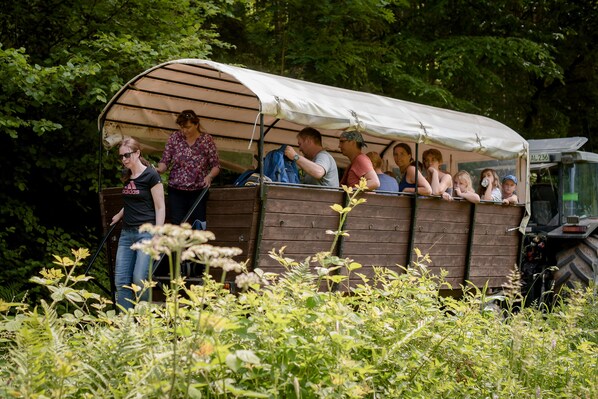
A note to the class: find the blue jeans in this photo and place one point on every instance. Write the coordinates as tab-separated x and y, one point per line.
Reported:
131	267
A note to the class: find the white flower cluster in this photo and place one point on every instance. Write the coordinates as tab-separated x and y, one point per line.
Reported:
170	238
256	277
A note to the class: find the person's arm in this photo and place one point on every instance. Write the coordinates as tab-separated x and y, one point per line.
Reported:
118	216
207	181
511	200
167	155
159	203
446	181
487	194
311	168
436	181
161	167
372	179
470	196
423	187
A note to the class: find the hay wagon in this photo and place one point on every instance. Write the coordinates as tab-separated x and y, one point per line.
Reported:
249	113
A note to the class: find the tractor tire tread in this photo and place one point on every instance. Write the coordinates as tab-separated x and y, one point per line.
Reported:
577	264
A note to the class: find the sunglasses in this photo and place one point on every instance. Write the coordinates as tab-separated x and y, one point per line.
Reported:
126	155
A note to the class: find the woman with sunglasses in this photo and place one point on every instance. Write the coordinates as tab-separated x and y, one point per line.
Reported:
193	156
143	197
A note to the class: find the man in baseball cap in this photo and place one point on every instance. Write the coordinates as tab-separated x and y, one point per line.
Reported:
509	185
350	143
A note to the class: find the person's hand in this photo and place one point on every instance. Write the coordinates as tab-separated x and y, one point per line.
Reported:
115	219
431	170
289	152
207	181
457	191
447	196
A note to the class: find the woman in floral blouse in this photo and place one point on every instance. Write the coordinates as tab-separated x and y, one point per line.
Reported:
193	158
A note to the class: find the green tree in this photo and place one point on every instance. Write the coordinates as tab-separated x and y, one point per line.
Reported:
529	64
60	61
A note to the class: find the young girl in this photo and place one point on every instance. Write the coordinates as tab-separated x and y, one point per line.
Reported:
439	181
463	188
489	189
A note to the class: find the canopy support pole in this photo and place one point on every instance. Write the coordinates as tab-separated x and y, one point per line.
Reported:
260	156
414	210
100	158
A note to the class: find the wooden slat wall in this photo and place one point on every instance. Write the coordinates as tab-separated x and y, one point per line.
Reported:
378	233
495	250
232	215
379	230
298	219
442	231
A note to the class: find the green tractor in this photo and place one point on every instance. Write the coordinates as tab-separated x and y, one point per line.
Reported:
564	215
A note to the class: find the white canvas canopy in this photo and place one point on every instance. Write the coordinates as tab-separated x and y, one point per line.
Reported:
229	100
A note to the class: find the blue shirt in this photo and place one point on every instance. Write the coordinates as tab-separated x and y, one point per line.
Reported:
387	183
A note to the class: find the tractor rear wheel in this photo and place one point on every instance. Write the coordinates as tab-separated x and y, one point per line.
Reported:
577	264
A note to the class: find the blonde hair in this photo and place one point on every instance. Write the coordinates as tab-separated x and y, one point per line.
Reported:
464	177
375	158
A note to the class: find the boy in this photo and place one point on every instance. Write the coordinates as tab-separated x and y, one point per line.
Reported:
509	185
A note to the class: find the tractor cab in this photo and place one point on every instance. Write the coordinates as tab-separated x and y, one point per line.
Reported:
563	192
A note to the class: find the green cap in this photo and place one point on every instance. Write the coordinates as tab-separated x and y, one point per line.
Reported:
354	136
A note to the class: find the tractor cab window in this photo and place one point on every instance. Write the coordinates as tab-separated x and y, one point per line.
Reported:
544	179
579	190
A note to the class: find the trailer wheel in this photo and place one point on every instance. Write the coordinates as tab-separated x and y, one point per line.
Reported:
577	264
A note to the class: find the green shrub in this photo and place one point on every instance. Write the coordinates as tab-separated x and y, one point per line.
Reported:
284	336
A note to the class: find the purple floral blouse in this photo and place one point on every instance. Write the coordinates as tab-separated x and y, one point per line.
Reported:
190	164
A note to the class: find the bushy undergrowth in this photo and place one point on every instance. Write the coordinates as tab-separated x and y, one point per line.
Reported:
392	336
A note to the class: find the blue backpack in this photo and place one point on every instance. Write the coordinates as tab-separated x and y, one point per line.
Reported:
279	168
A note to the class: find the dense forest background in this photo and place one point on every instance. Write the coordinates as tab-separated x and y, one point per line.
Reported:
529	64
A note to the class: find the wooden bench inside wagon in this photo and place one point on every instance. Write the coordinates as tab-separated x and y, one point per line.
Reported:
479	243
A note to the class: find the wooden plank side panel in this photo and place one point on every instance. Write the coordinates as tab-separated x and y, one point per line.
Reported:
441	225
496	244
298	218
378	232
232	215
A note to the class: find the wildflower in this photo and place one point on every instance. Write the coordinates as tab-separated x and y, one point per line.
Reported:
246	280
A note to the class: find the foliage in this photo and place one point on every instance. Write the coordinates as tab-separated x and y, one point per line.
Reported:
60	62
393	337
283	336
527	63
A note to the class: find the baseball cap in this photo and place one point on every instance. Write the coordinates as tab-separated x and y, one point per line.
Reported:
354	136
510	177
